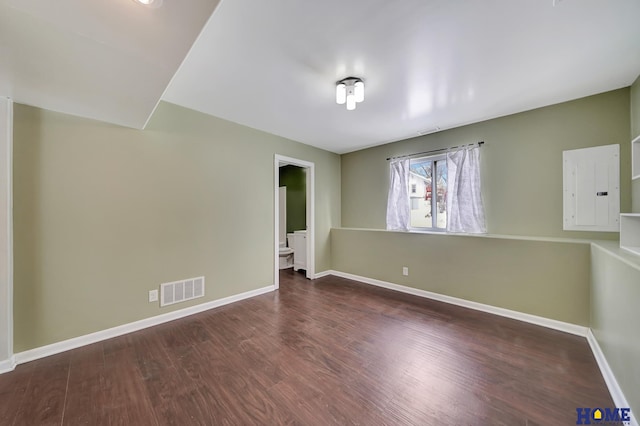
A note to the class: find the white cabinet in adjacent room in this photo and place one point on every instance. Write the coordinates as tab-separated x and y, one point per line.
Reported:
300	250
591	182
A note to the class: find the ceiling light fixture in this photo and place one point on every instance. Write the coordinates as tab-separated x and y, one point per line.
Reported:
149	3
350	90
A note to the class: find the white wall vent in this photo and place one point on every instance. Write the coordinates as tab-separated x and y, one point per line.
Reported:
180	291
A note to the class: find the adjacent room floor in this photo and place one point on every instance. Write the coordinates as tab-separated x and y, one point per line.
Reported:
331	351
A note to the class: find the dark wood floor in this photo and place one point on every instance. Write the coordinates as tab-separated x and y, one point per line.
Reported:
315	353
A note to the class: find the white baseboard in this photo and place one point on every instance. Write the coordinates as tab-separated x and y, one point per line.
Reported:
520	316
609	378
612	384
7	365
55	348
323	274
76	342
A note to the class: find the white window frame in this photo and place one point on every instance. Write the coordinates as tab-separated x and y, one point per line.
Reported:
434	199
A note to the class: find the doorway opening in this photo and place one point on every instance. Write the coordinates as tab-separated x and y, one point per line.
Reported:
304	238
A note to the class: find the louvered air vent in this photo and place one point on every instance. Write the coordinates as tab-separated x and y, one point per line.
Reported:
180	291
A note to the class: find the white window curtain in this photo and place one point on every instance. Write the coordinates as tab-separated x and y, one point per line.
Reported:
465	212
398	201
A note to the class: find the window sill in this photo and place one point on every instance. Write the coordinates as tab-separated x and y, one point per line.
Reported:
428	231
497	236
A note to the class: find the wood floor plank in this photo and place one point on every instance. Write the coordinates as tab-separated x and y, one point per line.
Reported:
329	351
174	399
44	400
126	400
86	379
13	388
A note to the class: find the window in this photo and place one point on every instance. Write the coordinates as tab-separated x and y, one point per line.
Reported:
447	197
428	194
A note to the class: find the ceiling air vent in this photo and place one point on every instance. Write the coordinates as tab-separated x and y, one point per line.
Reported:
180	291
428	131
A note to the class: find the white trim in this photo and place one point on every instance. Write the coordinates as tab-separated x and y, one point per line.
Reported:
324	274
6	239
578	330
276	220
612	384
635	162
311	184
55	348
495	236
76	342
311	221
633	260
7	365
609	378
10	236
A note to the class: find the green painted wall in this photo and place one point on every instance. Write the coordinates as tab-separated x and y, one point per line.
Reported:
548	279
103	214
615	317
635	131
521	165
294	178
615	292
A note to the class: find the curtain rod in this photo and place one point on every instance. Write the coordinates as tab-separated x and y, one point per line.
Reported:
435	150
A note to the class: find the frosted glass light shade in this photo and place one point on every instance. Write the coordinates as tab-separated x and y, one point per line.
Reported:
351	102
341	93
350	90
359	91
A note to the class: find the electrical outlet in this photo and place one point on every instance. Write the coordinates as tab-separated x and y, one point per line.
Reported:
153	295
405	271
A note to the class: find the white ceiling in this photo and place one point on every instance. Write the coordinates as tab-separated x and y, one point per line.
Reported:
104	59
273	65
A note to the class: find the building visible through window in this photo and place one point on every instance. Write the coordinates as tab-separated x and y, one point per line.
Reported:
428	192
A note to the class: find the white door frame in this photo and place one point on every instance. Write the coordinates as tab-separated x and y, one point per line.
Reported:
6	235
311	252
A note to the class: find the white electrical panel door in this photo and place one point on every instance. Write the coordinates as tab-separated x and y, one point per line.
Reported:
591	181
